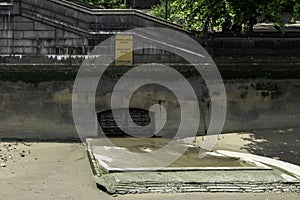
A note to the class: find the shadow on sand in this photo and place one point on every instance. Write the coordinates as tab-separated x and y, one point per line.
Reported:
279	144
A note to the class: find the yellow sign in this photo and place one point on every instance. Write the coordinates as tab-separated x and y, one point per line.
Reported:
123	53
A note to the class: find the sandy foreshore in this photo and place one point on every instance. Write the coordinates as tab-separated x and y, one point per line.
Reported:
62	170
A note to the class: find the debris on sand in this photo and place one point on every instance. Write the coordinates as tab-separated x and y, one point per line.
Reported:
12	151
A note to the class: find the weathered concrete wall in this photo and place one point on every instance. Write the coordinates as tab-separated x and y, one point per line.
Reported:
43	110
40	47
262	104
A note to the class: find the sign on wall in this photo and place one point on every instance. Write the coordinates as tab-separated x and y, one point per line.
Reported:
123	53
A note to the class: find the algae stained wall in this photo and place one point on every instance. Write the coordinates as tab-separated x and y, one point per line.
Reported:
42	44
43	110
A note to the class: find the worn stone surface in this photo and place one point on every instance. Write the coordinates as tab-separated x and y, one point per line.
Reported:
117	172
44	43
43	110
118	155
214	181
53	23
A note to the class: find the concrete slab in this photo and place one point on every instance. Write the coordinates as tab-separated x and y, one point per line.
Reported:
135	154
195	181
288	167
118	174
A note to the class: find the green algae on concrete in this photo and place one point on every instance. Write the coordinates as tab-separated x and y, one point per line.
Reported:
196	181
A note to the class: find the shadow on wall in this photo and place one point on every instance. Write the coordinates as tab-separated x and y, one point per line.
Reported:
278	144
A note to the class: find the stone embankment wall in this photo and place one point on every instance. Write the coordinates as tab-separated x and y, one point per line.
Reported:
43	43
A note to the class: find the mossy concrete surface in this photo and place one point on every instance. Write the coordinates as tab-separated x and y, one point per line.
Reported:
115	172
196	181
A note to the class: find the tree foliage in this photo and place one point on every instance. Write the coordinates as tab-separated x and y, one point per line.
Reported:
210	15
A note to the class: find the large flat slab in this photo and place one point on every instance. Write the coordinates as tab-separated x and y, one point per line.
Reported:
116	173
135	154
